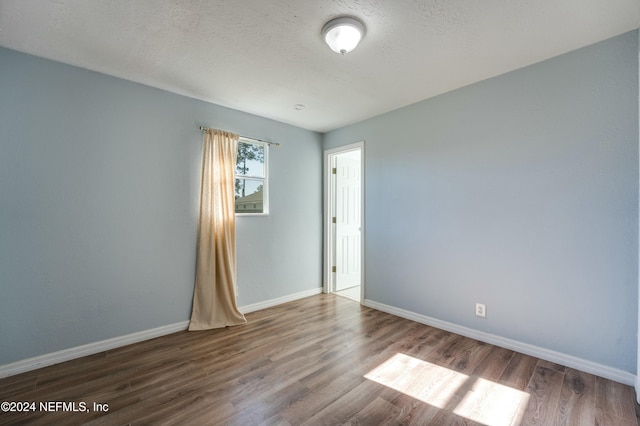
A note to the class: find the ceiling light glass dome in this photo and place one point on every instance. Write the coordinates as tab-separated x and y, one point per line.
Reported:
343	34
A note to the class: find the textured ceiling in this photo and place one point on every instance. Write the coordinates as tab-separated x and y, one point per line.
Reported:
264	57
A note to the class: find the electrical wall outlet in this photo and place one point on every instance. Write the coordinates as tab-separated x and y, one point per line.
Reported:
481	310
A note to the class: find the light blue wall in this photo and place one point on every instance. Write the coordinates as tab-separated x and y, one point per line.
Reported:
99	186
637	387
520	192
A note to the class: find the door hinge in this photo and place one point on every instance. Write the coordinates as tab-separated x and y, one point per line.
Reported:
334	171
333	269
333	219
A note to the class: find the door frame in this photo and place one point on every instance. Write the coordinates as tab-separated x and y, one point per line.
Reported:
329	229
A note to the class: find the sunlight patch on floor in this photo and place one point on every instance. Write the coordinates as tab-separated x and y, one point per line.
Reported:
422	380
492	403
483	401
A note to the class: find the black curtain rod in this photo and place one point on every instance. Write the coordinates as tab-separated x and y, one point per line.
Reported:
246	137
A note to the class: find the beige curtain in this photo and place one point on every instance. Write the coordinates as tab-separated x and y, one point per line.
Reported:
214	297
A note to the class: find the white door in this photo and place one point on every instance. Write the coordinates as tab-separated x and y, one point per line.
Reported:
347	220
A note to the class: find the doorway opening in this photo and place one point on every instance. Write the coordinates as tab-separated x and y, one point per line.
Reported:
344	221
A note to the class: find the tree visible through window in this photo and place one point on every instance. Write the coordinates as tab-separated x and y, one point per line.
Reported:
251	177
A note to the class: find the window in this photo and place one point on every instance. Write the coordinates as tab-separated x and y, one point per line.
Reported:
251	190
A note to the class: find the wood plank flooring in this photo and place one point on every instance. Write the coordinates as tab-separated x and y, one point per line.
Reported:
323	360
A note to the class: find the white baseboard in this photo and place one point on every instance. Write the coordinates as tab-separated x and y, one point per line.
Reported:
279	301
525	348
45	360
88	349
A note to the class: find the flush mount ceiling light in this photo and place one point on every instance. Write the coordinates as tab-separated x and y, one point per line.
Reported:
343	34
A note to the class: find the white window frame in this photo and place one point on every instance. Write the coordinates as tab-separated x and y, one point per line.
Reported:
264	180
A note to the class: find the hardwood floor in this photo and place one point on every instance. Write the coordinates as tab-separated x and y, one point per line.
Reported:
320	360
